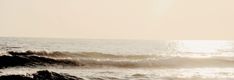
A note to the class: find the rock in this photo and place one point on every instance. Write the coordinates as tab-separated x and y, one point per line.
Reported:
15	77
46	75
41	75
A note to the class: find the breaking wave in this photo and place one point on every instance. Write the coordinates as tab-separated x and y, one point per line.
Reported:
95	59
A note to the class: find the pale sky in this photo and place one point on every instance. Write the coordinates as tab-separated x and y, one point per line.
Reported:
118	19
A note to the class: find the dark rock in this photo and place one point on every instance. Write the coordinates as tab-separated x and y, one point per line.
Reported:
15	77
46	75
41	75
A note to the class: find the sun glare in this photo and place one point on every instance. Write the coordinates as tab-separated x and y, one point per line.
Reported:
203	46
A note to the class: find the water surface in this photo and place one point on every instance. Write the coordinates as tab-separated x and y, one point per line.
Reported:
133	59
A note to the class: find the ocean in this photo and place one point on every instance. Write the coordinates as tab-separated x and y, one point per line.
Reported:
109	59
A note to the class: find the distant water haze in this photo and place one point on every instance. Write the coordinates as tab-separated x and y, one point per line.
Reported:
123	47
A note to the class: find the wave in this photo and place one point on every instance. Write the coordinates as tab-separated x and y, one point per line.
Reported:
27	59
95	59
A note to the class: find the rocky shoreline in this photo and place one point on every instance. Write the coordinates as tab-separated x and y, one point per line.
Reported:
29	59
41	75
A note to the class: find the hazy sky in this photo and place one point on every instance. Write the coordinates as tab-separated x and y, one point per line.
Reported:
118	19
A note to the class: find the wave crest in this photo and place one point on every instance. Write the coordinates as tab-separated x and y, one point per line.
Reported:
95	59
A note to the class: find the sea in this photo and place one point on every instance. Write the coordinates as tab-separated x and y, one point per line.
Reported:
116	59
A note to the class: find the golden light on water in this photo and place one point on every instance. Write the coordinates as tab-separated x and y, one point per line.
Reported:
203	46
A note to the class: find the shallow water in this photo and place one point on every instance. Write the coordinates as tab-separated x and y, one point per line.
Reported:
131	59
137	74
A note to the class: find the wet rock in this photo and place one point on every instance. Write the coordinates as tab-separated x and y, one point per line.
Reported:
41	75
46	75
15	77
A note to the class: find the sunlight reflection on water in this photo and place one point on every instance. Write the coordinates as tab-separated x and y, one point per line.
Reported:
205	46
